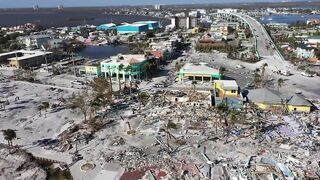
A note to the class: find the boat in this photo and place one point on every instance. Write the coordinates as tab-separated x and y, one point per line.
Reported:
270	19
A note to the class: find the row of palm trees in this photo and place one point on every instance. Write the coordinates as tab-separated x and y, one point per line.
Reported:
9	135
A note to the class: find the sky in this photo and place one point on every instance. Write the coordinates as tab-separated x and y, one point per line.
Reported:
76	3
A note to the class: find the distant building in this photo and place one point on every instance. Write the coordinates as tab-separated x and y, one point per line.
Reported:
56	44
60	7
304	51
152	25
184	22
34	41
223	26
199	71
132	28
25	59
314	40
35	7
157	7
227	10
108	26
278	25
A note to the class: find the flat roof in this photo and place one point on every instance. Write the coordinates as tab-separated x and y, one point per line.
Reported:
227	83
134	25
199	68
143	22
127	59
28	54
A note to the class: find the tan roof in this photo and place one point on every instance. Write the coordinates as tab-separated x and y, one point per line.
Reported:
133	61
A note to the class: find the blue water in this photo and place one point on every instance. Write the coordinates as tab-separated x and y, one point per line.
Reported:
290	19
101	52
53	18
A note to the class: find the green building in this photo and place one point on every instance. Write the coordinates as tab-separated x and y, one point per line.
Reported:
126	67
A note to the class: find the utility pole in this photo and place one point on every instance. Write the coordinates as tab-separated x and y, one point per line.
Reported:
73	64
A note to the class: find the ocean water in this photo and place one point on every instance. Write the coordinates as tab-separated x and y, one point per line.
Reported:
55	18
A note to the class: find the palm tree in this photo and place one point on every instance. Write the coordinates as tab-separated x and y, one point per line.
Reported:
194	83
9	135
223	112
129	70
45	105
222	70
257	78
40	107
280	83
120	68
146	68
177	66
263	69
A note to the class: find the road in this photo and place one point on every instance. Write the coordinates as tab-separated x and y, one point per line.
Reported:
309	86
266	47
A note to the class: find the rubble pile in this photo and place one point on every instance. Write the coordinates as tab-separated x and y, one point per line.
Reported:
134	158
19	165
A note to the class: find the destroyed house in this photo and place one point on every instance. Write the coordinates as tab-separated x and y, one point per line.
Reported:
194	98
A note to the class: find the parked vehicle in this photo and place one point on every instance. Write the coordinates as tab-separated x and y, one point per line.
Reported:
285	72
307	74
239	66
76	82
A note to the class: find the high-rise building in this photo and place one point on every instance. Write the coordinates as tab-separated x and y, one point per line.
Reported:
60	7
35	7
157	7
186	22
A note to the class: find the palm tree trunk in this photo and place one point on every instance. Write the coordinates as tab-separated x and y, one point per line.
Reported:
130	87
119	84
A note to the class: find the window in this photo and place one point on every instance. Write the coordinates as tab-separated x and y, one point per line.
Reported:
233	91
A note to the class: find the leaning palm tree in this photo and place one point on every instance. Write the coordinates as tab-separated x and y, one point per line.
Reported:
280	83
9	135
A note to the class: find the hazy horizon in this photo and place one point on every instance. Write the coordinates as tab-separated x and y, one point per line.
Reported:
92	3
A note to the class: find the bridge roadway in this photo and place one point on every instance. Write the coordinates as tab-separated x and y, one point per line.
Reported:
309	86
265	46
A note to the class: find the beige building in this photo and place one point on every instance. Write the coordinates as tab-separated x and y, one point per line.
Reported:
25	59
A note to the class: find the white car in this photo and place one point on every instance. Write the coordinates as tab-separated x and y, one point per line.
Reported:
307	74
239	66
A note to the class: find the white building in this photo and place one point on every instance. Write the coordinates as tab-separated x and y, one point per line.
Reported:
34	41
227	10
158	7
